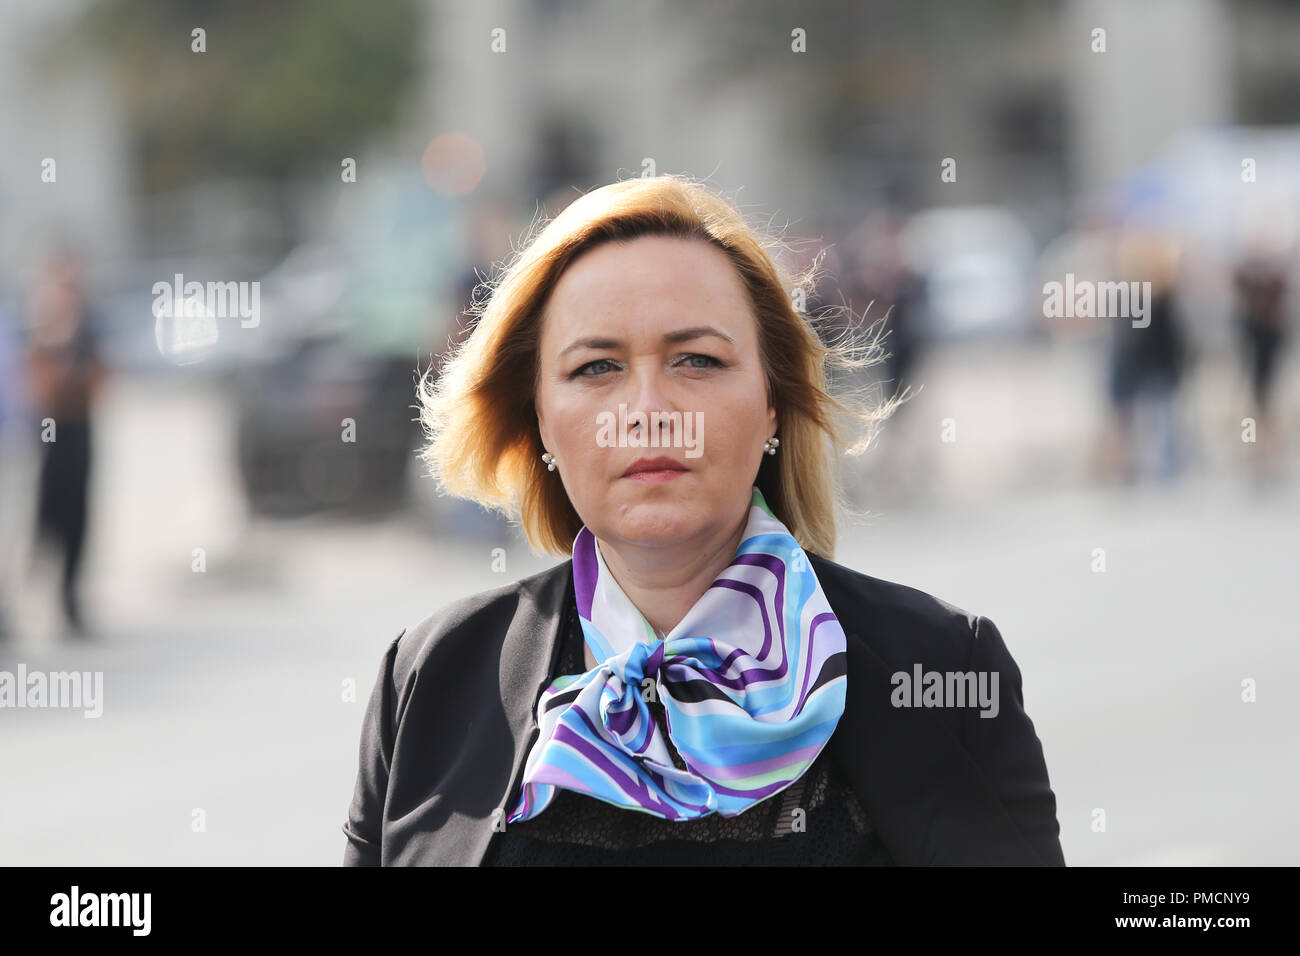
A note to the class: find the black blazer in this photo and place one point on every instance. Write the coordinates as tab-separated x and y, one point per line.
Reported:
451	720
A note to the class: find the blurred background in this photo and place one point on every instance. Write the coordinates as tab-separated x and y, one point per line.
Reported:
1121	501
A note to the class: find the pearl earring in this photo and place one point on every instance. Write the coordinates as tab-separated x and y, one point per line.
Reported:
549	459
770	446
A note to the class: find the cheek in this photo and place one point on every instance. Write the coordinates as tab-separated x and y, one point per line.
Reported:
552	406
570	423
733	427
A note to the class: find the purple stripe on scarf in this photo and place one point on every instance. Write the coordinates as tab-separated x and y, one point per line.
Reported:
640	791
755	674
779	570
636	789
621	721
585	571
808	671
655	777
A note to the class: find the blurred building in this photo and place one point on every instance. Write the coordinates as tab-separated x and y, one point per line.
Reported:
58	107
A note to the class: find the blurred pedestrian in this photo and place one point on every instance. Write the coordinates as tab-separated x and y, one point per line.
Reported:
1261	288
1147	365
65	374
890	296
887	286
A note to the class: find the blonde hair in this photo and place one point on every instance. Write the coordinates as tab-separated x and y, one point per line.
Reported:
477	409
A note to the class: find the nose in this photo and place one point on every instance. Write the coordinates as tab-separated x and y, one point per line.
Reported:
649	393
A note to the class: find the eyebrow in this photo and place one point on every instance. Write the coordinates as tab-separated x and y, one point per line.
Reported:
681	335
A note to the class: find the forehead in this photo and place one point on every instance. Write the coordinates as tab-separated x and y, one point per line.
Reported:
647	283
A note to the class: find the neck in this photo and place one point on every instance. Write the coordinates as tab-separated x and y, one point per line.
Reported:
665	583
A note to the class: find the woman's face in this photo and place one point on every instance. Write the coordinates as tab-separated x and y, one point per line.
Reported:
656	325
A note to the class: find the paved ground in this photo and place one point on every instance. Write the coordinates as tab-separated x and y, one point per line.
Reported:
223	690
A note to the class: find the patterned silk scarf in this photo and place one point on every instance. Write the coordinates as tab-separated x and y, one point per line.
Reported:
752	682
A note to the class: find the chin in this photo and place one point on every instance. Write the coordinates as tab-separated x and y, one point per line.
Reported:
657	524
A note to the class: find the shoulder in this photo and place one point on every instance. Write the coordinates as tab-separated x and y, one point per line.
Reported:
475	626
896	621
902	628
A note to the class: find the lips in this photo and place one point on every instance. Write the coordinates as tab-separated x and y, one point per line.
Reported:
642	465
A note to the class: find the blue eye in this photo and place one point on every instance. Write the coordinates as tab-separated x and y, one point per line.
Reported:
709	359
583	369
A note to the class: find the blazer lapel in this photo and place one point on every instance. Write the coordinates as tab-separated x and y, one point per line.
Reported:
528	658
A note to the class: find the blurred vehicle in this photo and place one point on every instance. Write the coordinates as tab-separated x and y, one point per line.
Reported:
134	335
295	412
977	269
326	390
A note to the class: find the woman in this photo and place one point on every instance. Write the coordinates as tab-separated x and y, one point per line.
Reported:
66	376
699	682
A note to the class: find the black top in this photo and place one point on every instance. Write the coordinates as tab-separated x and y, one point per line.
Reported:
75	359
581	830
